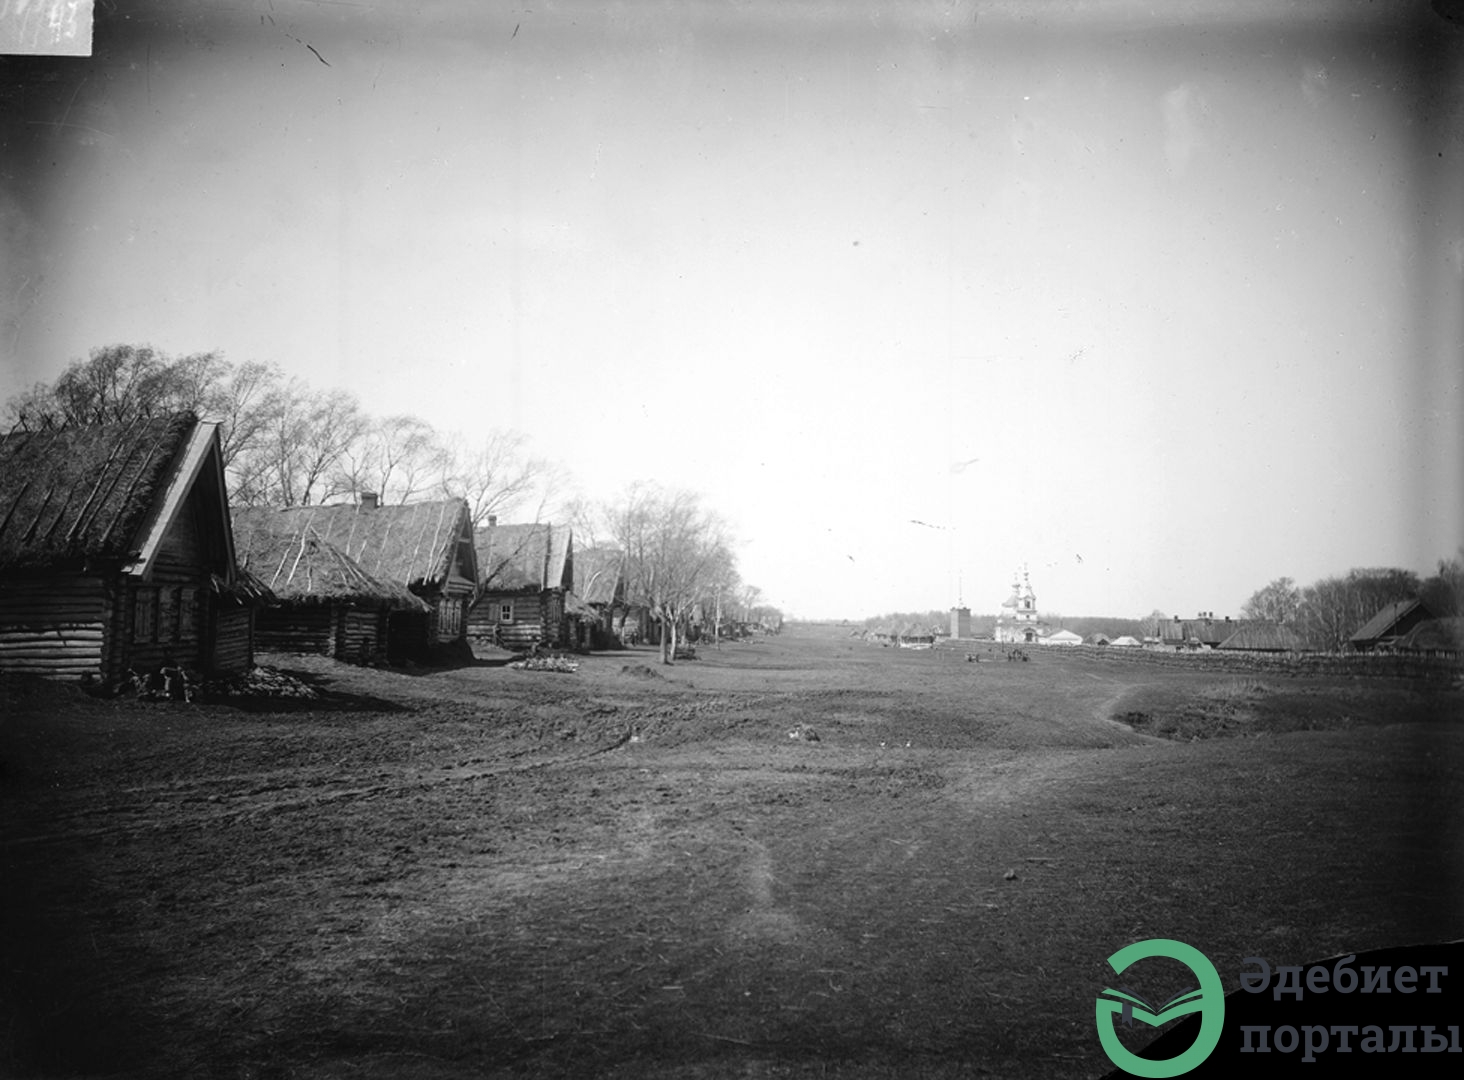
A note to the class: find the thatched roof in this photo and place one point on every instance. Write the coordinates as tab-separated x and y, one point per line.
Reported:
597	574
299	567
246	589
1435	635
1202	631
1265	637
574	605
411	545
79	495
1126	641
524	557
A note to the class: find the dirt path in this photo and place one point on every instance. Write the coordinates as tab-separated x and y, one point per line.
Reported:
479	872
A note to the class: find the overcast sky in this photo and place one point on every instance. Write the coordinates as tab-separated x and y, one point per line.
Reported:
1162	307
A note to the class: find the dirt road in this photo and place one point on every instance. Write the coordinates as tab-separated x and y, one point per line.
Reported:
636	871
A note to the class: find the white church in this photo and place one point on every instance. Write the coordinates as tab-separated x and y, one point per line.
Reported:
1017	623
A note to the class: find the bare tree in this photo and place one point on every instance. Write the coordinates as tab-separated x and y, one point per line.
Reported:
303	437
1333	609
495	475
399	458
116	384
1279	602
33	409
588	520
242	404
119	383
672	546
1444	591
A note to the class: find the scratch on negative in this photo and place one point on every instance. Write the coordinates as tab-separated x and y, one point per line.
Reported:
313	49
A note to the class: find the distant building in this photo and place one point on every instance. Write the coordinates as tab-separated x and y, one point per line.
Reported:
117	552
1018	623
1061	637
960	622
1265	637
1203	632
1390	624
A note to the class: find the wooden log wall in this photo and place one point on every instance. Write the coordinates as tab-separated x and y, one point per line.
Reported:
301	628
53	625
524	632
360	635
233	639
173	631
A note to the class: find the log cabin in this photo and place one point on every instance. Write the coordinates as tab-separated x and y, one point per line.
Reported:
528	574
426	547
599	583
325	603
117	553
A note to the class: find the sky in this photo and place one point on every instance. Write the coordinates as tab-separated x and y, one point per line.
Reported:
1159	306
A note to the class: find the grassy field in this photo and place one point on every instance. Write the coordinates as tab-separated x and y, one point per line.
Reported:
637	871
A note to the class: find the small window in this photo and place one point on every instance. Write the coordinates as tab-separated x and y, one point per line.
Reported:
505	612
187	614
168	604
452	617
145	616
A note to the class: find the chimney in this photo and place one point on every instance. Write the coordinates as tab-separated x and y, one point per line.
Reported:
492	520
370	500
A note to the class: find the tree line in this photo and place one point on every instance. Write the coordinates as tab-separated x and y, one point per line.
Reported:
1329	611
286	443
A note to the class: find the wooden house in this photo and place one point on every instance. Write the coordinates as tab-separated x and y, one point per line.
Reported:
325	602
528	573
1443	638
1392	622
1264	637
1202	632
116	552
599	583
424	547
1061	637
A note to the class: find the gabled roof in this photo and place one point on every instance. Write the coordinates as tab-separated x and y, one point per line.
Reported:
1208	631
1265	637
1382	624
515	557
1435	635
411	545
1126	641
299	567
598	574
1063	637
1171	632
106	493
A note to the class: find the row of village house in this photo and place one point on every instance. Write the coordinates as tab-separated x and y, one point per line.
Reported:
119	551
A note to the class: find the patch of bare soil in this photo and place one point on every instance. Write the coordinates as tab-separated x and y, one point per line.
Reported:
486	872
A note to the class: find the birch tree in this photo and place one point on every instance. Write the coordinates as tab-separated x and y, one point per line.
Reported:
672	548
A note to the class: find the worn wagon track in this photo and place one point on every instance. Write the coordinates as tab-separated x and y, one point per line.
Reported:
490	878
